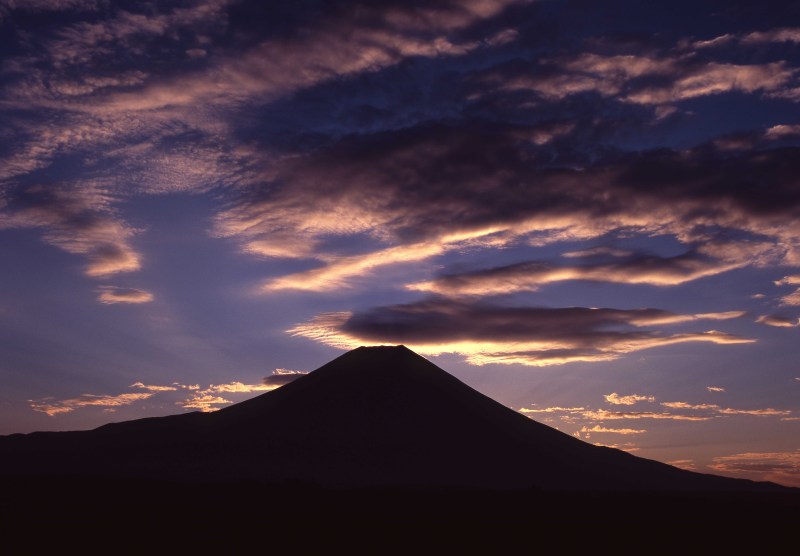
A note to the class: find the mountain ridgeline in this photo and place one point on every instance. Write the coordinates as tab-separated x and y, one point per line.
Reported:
375	417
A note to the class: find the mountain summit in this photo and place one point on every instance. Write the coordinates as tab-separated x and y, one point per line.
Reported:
375	416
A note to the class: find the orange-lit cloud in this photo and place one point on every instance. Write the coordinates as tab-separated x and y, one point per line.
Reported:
204	402
715	388
205	399
657	271
111	295
554	409
485	334
153	387
78	221
604	415
758	412
615	399
792	299
780	321
686	405
57	407
781	467
598	428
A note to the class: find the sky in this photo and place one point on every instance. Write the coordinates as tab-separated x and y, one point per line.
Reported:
588	211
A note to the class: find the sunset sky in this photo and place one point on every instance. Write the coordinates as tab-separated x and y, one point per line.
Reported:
588	211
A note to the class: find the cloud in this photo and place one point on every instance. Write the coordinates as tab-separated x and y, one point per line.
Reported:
112	294
793	280
792	299
686	405
554	409
486	333
58	407
78	221
279	377
616	399
204	402
778	321
207	400
757	412
781	467
715	388
604	415
638	269
649	79
598	428
387	193
153	387
168	131
785	34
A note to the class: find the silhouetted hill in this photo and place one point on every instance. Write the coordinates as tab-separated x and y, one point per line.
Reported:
376	417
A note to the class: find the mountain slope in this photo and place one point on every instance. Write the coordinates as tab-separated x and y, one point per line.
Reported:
377	416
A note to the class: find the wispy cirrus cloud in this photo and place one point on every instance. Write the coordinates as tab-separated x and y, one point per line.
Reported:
651	79
180	130
715	388
641	269
486	333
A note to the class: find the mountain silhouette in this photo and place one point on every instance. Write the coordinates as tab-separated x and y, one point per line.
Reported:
373	417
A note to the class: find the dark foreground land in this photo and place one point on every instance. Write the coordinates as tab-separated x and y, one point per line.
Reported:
298	518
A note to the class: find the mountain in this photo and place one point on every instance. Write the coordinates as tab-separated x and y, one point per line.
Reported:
373	417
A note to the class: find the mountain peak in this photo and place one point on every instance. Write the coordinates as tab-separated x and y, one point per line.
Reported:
374	416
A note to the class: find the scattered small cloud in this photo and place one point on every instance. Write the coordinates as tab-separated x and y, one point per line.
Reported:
715	388
780	321
204	402
112	294
204	399
207	400
616	399
685	405
153	387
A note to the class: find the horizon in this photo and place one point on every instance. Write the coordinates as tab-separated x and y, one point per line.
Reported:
587	213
